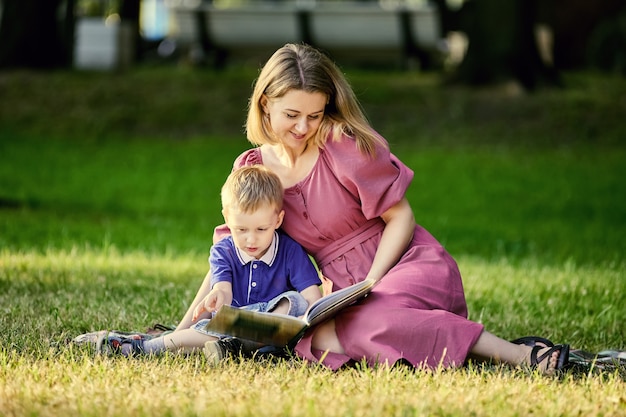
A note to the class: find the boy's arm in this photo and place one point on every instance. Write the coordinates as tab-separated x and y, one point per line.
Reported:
220	294
311	294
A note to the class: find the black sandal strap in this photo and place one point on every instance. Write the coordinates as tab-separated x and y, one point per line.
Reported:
532	341
562	359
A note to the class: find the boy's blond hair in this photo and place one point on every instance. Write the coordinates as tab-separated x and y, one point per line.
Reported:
250	187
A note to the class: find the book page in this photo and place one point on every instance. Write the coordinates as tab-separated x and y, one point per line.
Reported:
328	306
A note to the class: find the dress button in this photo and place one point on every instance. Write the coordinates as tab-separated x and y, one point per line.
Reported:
305	215
254	266
298	190
254	284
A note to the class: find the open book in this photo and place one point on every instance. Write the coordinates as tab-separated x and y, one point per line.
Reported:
280	329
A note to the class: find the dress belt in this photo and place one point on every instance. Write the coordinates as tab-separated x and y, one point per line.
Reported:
350	241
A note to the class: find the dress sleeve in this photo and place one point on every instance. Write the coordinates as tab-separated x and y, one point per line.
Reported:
378	182
249	157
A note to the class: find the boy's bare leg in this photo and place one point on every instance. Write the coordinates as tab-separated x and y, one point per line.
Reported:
186	341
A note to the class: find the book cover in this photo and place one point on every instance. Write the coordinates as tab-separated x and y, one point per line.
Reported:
279	329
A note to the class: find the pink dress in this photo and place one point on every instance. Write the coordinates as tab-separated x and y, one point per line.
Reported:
417	313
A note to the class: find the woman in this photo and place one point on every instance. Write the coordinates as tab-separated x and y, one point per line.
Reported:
345	203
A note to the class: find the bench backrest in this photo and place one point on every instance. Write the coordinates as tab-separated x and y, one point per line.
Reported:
343	25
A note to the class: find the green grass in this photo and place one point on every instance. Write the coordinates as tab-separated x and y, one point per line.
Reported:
154	195
53	296
109	194
162	195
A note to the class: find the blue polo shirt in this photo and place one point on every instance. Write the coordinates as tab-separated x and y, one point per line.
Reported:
284	267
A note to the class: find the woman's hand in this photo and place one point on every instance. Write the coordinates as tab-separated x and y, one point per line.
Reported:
327	286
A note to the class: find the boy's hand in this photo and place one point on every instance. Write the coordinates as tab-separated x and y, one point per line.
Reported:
212	302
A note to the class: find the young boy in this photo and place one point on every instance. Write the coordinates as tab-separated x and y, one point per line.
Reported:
256	268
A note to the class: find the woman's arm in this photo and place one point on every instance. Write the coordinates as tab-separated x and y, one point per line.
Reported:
400	225
203	291
220	232
188	319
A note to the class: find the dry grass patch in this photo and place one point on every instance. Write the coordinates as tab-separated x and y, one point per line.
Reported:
76	384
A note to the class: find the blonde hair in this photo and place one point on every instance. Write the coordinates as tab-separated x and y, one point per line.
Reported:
250	187
302	67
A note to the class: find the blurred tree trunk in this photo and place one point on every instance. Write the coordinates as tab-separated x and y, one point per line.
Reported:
129	14
33	36
574	25
502	43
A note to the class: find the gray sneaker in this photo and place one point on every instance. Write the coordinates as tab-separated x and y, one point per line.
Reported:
93	338
218	350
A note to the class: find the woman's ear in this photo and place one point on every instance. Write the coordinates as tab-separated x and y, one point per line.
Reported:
263	102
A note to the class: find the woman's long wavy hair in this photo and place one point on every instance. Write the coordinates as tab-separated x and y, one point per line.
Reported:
302	67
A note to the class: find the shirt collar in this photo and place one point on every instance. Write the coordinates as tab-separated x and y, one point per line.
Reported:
268	258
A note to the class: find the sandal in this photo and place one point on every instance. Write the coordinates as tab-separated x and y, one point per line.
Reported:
95	339
112	345
561	361
532	341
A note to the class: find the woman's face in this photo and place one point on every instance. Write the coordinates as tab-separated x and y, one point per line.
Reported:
296	116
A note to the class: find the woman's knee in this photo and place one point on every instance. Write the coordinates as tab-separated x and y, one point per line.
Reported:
325	338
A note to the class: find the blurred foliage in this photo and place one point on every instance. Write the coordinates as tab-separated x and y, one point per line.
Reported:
178	102
136	160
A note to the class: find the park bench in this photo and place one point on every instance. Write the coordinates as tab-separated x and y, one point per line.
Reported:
357	32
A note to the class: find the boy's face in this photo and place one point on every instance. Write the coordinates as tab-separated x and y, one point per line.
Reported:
253	232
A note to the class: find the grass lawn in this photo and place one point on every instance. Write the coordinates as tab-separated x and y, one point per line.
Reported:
109	193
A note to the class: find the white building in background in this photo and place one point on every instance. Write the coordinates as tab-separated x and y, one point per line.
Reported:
103	43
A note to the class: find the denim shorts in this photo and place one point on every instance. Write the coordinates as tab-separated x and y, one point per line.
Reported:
297	307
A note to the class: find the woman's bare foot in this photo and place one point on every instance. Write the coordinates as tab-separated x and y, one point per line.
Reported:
545	359
534	352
